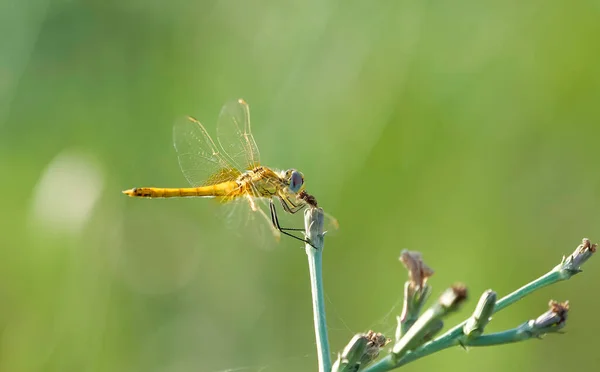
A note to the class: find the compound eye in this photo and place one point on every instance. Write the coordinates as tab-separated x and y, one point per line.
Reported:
296	181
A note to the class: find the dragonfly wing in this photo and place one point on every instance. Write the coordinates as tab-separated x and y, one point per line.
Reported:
330	224
248	218
235	135
199	158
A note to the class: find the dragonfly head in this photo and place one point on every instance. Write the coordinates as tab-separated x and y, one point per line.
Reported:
295	180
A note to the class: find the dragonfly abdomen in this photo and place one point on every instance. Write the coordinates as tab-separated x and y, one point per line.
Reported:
221	189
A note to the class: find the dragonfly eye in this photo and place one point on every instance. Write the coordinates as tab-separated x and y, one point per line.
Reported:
296	180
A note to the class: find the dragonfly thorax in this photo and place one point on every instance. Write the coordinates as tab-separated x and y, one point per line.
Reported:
260	182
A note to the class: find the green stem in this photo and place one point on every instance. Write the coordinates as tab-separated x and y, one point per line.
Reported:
500	338
549	278
314	232
452	337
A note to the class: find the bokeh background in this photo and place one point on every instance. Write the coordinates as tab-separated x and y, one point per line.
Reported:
465	130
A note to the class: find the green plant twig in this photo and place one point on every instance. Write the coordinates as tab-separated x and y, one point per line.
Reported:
360	351
551	321
447	303
568	267
313	221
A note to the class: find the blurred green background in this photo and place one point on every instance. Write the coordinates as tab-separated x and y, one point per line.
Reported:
465	130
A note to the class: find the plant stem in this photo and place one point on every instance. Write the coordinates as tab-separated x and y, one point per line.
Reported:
452	337
313	219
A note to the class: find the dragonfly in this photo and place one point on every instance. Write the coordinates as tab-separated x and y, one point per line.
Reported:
232	171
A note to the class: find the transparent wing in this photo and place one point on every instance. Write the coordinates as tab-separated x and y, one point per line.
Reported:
250	222
199	158
235	136
330	224
250	217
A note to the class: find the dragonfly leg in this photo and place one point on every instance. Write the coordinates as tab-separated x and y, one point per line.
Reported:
290	210
284	230
289	205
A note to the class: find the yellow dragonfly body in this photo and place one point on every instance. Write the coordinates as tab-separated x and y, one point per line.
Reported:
257	182
232	171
